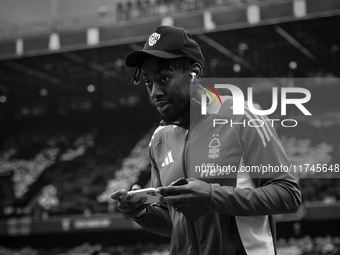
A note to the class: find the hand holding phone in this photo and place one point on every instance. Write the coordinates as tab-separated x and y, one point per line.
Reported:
178	182
149	193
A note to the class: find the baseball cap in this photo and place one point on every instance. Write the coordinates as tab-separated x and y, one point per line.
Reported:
167	42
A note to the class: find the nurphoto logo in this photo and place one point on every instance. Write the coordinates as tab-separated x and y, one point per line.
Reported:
239	104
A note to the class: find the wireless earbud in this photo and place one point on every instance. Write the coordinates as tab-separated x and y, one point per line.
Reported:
193	75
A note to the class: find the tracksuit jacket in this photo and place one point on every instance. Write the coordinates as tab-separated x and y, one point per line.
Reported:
238	219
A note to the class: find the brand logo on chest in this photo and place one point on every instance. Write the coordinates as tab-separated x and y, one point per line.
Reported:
168	160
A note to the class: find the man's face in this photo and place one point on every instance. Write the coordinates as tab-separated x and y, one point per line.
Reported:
168	88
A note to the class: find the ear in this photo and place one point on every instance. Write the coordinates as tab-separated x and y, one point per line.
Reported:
197	69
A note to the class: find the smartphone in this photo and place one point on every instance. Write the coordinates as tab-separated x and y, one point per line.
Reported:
178	182
149	193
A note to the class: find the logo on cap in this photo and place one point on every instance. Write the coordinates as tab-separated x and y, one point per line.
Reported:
154	38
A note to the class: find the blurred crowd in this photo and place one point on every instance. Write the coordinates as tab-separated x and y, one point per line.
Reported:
133	9
73	170
307	245
60	172
68	172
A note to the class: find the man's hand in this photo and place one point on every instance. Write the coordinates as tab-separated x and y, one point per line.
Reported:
194	195
132	210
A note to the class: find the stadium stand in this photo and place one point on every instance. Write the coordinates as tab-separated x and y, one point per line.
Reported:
72	128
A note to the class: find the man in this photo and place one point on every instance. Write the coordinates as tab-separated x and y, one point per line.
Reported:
217	212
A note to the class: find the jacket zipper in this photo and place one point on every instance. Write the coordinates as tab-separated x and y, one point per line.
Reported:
186	136
191	224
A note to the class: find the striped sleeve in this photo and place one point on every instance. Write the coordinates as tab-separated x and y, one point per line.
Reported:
262	125
263	149
261	144
273	191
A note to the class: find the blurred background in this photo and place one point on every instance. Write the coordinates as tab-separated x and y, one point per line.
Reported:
73	128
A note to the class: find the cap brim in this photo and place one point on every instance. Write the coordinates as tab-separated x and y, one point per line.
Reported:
136	57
